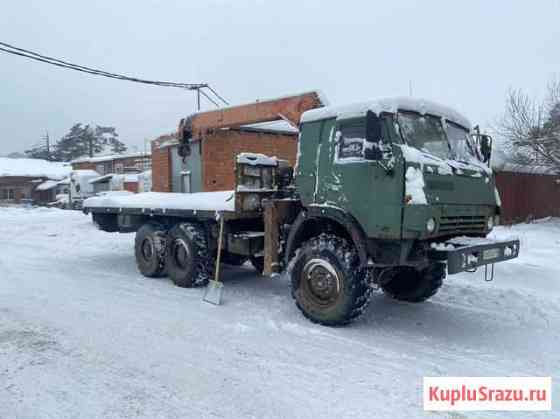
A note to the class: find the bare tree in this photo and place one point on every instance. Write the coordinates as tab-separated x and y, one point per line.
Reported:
531	128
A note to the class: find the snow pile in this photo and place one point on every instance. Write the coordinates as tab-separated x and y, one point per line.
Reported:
45	186
255	159
391	105
200	201
81	331
415	186
33	168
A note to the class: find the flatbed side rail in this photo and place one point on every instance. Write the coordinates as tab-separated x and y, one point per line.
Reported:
201	214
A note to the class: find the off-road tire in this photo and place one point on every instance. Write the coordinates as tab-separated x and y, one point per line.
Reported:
258	263
188	260
347	290
412	285
149	249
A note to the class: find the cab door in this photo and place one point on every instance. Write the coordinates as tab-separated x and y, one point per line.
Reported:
356	173
306	170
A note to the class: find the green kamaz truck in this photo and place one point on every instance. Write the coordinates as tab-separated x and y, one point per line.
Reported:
392	194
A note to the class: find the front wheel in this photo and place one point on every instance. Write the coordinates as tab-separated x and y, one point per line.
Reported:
327	283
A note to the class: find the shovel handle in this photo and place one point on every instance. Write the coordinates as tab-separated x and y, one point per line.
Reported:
220	239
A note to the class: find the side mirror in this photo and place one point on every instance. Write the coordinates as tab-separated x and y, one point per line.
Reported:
485	147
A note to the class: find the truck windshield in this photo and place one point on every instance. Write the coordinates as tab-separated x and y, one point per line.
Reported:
425	132
459	140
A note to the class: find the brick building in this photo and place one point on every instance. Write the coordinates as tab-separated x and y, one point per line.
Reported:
214	138
211	164
118	163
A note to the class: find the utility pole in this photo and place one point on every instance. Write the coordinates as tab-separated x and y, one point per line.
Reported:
47	145
198	99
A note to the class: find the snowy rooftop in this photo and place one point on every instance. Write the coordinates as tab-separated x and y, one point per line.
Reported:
109	157
33	168
280	126
390	105
49	184
200	201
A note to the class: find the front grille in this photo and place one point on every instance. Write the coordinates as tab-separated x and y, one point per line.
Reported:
462	224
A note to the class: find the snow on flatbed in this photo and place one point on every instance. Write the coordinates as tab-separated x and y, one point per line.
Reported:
199	201
83	334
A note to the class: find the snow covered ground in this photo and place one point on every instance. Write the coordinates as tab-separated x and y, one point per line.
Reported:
83	334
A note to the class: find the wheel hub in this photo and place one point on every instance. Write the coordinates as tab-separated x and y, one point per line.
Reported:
322	280
147	248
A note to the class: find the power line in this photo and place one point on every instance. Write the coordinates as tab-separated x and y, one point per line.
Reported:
11	49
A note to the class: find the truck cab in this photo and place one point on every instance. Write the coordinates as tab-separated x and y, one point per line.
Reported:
404	169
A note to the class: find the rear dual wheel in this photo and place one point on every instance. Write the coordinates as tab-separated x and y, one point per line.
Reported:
149	248
188	259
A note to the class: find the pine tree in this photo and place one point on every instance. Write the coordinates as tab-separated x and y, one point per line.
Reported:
84	141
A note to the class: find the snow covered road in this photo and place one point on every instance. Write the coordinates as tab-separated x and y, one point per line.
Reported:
83	334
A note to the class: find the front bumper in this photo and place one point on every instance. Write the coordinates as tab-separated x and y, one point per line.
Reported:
468	253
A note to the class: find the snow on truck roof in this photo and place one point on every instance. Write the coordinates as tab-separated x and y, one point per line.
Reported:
198	201
33	168
390	105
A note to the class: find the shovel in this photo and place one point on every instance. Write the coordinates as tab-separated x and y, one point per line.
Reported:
215	288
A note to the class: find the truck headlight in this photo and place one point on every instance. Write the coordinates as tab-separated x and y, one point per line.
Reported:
490	223
431	225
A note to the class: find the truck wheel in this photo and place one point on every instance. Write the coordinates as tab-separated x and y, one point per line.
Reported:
414	286
327	284
187	258
258	263
149	248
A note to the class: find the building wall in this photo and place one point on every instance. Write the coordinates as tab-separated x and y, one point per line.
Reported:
114	165
83	166
220	148
22	186
161	164
527	196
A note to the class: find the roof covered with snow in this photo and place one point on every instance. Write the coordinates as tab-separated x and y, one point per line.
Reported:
281	127
199	201
33	168
390	105
109	157
49	184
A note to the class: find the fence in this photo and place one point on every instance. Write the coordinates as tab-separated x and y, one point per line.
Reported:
528	193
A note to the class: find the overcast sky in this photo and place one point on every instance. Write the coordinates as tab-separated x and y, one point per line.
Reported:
464	54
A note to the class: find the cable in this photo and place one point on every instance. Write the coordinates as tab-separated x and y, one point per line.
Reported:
11	49
217	95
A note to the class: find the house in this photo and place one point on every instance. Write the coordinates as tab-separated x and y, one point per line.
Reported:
204	160
115	163
19	178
